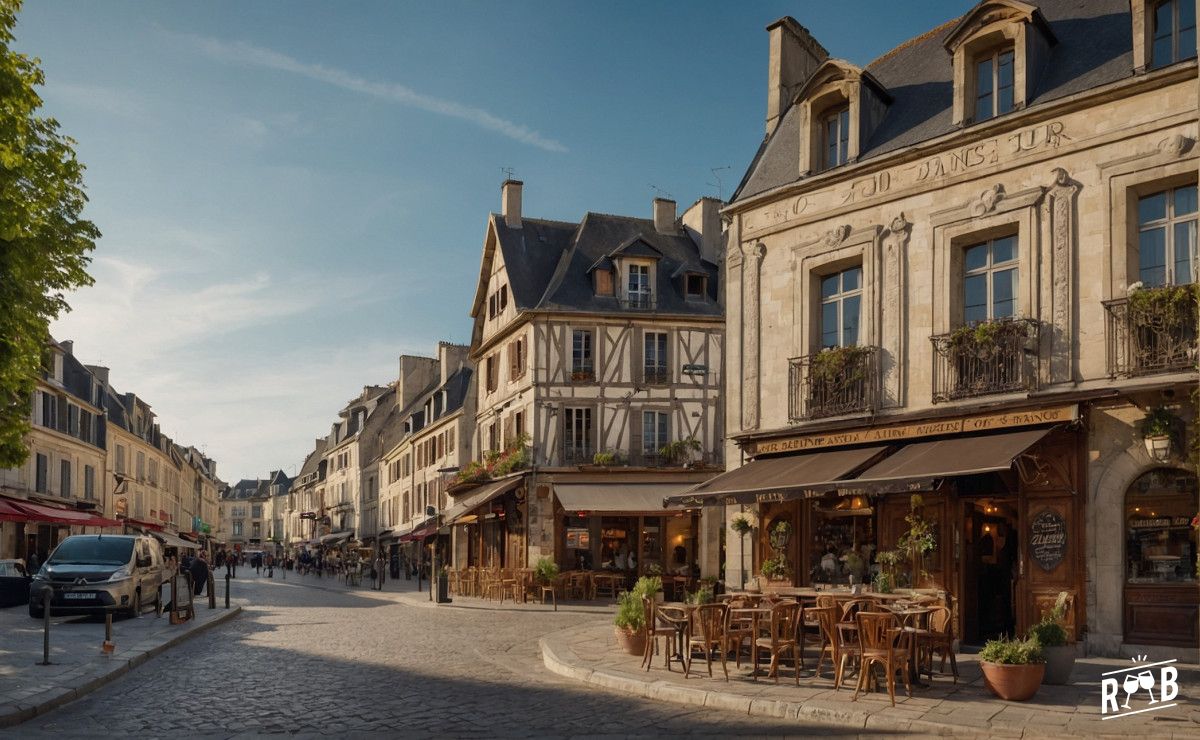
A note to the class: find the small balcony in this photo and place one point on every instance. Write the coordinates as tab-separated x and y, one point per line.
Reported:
639	302
990	357
655	375
1152	331
578	455
582	372
833	382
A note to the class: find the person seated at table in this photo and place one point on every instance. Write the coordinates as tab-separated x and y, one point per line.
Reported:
621	560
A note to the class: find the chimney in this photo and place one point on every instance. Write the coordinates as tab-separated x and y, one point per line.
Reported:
702	222
100	373
450	357
68	346
795	55
664	216
510	203
416	373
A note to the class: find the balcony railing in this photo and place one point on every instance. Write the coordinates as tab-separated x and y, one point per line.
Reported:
578	455
998	356
582	373
639	301
833	382
655	375
1152	331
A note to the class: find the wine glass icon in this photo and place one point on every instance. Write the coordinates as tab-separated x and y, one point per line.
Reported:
1130	685
1146	681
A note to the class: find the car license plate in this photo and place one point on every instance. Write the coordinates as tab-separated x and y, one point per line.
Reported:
78	595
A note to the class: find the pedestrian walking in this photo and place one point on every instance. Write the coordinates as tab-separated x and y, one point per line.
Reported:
379	572
199	571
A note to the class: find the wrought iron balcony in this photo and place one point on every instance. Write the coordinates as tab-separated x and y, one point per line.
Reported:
578	455
639	302
582	372
655	375
833	382
999	356
1152	331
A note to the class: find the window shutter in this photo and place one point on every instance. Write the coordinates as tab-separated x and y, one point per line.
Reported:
635	435
509	435
637	368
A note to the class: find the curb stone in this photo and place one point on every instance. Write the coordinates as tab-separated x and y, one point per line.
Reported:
12	714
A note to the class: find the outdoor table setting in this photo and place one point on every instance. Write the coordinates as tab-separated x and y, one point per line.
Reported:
914	623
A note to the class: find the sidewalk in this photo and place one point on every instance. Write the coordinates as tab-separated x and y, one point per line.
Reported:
77	665
589	654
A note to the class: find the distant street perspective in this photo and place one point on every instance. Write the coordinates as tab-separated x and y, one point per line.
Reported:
514	369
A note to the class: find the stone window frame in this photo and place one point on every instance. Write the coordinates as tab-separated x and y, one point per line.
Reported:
1127	180
837	250
983	30
1142	28
837	84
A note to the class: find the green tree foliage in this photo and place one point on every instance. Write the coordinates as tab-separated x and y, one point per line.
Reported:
44	243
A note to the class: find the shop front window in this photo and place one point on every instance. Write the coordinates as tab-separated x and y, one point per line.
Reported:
1160	541
843	541
618	546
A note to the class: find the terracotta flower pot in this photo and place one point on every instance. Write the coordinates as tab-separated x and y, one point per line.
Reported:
1060	661
1013	682
631	641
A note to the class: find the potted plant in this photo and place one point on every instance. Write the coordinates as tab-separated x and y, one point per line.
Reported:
1056	648
630	622
882	582
742	522
781	533
545	571
605	459
776	568
651	585
680	451
918	541
702	595
1012	669
1158	430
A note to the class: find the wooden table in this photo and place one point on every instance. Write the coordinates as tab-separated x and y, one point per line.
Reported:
914	623
614	580
755	613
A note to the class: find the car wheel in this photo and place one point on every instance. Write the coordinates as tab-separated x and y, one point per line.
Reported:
135	606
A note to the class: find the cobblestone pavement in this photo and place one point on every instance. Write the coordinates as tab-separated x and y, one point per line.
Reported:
325	660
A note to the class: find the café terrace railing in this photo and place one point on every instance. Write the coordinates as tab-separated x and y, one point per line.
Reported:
999	356
1152	331
833	382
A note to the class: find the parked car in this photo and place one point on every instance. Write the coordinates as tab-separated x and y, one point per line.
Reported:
90	573
14	584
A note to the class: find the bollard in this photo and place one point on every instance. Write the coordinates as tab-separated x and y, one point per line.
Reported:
226	590
174	603
211	585
107	647
46	627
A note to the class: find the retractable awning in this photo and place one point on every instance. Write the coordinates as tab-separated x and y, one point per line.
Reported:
918	466
614	497
779	478
480	497
335	538
171	540
55	515
10	513
421	532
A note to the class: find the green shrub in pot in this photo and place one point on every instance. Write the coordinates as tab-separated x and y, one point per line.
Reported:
1012	669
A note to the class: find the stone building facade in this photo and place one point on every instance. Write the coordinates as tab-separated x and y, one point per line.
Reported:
967	270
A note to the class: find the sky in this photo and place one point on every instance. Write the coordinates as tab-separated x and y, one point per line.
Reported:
294	194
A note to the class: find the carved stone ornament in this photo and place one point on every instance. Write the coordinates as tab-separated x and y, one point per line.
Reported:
1176	145
837	235
899	224
751	338
987	200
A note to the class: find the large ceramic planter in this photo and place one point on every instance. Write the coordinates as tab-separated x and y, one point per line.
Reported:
1013	682
631	641
1060	661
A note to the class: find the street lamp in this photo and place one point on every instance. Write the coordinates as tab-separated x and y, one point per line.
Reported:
434	574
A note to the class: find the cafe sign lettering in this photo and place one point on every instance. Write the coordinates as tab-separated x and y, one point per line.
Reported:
1048	539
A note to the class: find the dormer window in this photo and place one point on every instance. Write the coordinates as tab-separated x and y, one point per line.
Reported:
697	285
837	137
638	290
604	282
994	84
1173	32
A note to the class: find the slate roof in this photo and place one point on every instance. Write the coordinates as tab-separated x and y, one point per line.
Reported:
313	461
549	263
1095	47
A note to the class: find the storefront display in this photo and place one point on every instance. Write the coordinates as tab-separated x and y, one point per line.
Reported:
842	540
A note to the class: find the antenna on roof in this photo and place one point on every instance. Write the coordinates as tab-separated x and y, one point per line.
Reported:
507	172
717	184
659	192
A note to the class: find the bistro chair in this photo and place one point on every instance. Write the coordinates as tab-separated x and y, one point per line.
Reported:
834	643
655	628
707	632
941	640
738	628
781	637
879	640
826	600
853	606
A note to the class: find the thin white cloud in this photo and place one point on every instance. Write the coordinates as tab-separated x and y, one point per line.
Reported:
240	52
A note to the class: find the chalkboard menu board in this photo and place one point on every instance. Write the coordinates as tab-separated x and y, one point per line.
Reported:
1048	539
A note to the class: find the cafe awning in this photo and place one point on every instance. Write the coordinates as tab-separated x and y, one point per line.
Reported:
335	538
918	466
779	478
421	532
10	513
613	497
55	515
480	497
171	540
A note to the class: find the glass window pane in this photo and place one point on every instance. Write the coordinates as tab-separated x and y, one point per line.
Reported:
1185	248
829	286
1004	250
1185	200
1004	91
843	136
975	257
1004	100
829	325
1162	19
1187	43
1160	53
1004	291
851	279
983	90
1152	257
850	319
1187	16
975	298
831	143
983	107
1152	207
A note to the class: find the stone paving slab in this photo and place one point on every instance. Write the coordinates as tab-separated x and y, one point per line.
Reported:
588	654
77	665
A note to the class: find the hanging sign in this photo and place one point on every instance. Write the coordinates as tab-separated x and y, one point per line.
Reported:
1048	539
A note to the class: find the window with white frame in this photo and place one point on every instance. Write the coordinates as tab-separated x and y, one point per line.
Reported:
577	434
581	355
990	280
654	357
836	132
638	290
993	83
1167	237
1173	32
841	308
655	430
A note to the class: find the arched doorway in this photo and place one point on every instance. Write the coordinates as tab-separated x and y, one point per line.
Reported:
1162	598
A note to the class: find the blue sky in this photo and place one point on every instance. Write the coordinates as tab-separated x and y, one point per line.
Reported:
294	194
